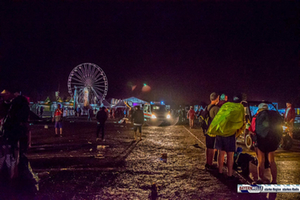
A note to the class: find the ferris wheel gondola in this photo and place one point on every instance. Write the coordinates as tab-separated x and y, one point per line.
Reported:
88	84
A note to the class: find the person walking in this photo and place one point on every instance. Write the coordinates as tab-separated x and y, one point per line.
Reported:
289	117
191	116
138	121
101	119
210	141
58	120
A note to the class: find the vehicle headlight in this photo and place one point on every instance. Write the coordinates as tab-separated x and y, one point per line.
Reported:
153	116
168	116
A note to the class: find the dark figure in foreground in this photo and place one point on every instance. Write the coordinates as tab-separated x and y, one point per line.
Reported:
15	170
101	119
138	121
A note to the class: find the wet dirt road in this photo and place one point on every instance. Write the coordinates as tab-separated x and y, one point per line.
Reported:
78	167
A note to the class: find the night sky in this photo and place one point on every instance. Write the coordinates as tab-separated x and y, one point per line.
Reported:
183	51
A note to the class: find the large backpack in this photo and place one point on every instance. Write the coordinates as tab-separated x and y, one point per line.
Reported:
205	118
228	121
268	122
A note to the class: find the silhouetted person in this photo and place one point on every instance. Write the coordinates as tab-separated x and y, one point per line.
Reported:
14	141
90	114
41	111
138	121
101	119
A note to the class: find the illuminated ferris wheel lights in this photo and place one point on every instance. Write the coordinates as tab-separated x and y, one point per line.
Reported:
88	82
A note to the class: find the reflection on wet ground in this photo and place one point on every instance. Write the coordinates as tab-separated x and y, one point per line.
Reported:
168	163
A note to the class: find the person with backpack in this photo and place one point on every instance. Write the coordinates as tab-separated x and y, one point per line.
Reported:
208	115
226	126
267	125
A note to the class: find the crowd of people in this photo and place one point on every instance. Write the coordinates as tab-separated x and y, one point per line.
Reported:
14	132
267	137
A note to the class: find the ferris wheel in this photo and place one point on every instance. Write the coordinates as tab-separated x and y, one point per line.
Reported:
87	84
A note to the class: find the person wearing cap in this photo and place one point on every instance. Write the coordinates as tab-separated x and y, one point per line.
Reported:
223	99
264	149
227	145
191	116
289	117
261	107
210	141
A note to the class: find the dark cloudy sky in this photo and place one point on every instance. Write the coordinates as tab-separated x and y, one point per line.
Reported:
183	51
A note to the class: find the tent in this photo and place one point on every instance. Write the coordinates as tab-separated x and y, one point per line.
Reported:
133	101
120	104
105	104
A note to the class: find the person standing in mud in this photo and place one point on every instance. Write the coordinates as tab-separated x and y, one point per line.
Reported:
210	141
14	137
289	117
191	116
101	119
138	121
58	113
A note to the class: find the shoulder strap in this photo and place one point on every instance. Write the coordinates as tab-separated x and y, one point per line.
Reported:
210	109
